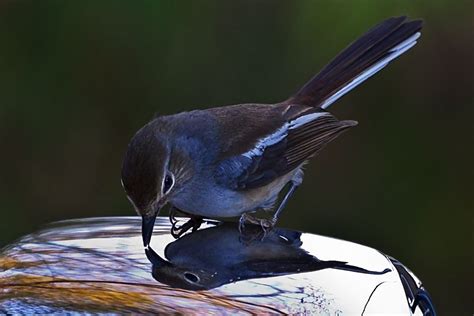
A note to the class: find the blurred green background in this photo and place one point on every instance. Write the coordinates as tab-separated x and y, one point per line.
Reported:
77	79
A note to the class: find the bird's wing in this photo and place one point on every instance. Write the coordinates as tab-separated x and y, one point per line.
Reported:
269	144
303	133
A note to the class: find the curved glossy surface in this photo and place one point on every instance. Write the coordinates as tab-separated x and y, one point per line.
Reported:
99	265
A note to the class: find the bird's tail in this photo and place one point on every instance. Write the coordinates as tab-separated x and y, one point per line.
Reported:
359	61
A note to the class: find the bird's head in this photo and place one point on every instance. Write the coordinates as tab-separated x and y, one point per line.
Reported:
151	172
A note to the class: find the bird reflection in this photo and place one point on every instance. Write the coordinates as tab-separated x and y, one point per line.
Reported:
215	256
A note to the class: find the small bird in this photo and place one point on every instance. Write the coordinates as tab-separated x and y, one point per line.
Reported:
233	160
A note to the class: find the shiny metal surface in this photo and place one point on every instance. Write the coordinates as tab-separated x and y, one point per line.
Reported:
99	265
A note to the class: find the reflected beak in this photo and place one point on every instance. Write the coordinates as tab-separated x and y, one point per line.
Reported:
155	259
147	229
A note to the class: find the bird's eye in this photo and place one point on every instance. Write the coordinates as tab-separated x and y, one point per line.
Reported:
167	183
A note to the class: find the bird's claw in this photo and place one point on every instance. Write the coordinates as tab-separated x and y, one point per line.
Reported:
177	231
172	216
265	224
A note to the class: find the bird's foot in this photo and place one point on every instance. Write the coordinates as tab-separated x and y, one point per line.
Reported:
178	230
265	223
172	216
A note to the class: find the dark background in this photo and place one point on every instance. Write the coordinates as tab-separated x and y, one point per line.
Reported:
77	79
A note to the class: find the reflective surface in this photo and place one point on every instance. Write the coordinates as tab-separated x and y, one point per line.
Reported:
219	255
99	265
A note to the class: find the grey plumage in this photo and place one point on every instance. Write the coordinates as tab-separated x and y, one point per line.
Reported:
231	160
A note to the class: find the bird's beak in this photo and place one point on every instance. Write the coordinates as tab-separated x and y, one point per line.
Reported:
148	223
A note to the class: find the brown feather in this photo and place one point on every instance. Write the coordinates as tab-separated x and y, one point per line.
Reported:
300	144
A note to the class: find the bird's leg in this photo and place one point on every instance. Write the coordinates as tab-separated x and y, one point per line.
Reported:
193	223
283	203
264	223
173	211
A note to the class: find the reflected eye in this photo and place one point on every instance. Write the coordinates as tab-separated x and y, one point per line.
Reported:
167	183
191	277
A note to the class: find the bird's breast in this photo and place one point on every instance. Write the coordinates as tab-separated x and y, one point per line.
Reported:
212	200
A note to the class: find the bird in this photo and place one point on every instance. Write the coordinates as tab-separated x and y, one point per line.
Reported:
231	161
217	255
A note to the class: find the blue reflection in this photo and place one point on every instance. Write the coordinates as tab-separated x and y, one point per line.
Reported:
212	257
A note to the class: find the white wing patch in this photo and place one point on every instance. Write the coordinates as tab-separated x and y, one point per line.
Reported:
281	133
393	53
305	119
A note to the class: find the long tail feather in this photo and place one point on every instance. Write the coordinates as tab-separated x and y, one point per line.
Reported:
359	61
